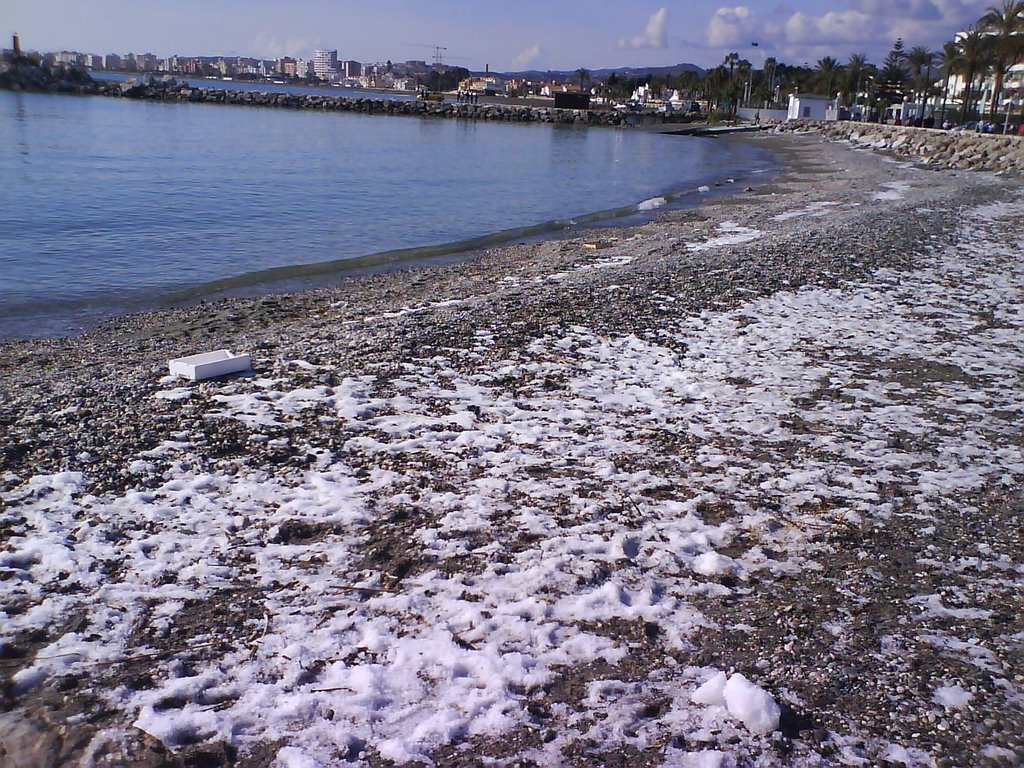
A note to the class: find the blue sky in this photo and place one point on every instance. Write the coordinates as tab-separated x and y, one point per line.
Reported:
525	34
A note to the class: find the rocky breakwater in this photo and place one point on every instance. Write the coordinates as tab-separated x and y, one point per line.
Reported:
170	90
21	72
945	149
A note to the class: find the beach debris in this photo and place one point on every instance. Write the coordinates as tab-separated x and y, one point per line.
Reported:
597	245
209	364
703	188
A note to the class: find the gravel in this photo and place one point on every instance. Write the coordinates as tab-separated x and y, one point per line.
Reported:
87	404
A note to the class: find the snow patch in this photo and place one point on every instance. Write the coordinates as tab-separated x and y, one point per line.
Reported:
893	190
748	703
813	210
952	696
732	234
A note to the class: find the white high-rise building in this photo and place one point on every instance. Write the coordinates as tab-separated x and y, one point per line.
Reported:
325	64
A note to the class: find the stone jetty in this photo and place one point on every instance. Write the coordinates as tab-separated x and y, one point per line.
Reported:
170	90
23	72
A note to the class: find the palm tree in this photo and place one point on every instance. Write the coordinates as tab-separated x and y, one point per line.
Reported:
731	60
745	79
856	69
771	64
732	92
975	55
828	69
952	62
1005	28
714	82
921	60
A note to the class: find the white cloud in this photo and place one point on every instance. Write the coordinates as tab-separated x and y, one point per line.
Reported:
869	26
269	46
922	10
527	57
833	27
730	27
655	34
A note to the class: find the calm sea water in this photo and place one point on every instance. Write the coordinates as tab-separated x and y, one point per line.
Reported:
110	206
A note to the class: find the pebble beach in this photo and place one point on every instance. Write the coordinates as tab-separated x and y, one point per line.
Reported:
739	486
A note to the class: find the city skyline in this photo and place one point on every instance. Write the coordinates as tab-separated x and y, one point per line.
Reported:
530	35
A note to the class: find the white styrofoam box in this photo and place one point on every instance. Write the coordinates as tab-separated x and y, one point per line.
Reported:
209	364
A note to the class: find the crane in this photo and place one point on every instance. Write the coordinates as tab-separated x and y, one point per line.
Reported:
438	52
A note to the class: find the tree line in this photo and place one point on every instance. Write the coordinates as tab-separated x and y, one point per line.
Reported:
989	47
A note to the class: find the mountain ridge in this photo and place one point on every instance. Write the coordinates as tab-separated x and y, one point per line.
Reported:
601	74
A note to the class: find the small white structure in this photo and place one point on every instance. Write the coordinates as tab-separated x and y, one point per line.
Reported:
803	106
209	364
907	111
642	94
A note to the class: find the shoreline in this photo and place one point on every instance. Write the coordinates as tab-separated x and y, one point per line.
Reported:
334	275
547	492
347	275
90	318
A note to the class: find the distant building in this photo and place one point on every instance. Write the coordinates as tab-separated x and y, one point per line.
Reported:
350	69
325	64
286	67
550	89
487	84
113	61
642	95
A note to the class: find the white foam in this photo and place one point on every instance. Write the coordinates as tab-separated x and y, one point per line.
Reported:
651	204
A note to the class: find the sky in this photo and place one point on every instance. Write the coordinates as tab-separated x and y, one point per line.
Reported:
525	34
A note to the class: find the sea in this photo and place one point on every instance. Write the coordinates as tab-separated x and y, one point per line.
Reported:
111	206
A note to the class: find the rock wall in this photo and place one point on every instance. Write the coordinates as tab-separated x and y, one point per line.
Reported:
171	91
945	149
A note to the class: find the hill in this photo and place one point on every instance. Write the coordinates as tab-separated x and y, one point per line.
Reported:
603	74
